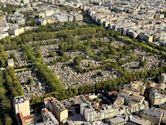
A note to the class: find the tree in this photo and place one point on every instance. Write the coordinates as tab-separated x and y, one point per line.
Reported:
12	83
142	63
77	60
36	99
30	81
3	57
12	55
1	122
63	46
49	77
51	54
8	120
2	92
88	51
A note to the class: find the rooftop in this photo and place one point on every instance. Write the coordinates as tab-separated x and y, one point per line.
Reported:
19	99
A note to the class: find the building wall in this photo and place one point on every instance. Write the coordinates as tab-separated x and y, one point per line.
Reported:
3	35
163	78
49	12
154	120
158	101
63	115
92	115
23	107
17	32
121	123
163	120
